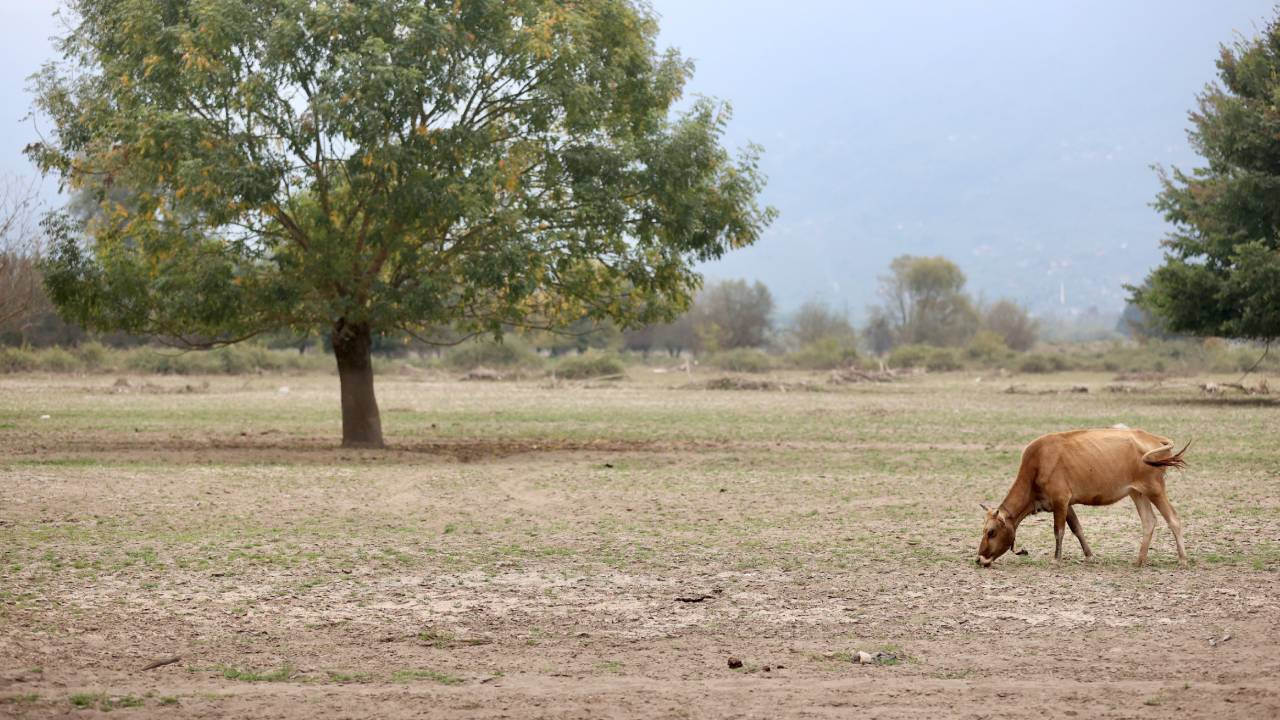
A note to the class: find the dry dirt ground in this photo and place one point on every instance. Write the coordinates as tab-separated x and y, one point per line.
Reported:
547	550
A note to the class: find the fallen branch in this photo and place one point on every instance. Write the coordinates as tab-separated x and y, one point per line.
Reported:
1216	388
161	663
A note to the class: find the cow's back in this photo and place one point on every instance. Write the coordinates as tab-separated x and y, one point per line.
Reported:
1094	467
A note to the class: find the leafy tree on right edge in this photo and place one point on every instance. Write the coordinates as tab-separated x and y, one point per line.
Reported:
1221	274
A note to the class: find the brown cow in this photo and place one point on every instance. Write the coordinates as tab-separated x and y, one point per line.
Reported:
1086	467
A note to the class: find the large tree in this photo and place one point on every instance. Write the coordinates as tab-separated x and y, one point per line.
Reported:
1011	322
816	322
924	302
733	314
369	166
1221	272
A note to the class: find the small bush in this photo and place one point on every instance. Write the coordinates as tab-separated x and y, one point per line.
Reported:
943	360
747	360
1043	363
92	355
170	362
509	353
590	365
829	353
1035	363
988	349
55	359
13	360
910	356
234	360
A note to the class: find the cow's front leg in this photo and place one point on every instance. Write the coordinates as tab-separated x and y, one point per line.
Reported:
1059	528
1074	523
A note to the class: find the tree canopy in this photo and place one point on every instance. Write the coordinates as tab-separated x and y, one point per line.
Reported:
733	314
1012	324
924	303
1221	273
382	165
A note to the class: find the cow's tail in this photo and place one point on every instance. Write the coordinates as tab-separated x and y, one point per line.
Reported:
1174	460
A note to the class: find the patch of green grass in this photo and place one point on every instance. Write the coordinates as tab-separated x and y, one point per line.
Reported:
342	677
23	699
281	674
410	675
168	700
86	700
609	666
437	638
103	702
128	701
838	656
57	462
898	652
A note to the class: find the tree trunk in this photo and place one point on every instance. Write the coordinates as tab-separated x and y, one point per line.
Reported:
361	424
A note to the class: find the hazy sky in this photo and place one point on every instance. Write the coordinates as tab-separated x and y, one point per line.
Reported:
1015	136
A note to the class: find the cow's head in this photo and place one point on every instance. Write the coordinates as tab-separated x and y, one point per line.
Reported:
997	536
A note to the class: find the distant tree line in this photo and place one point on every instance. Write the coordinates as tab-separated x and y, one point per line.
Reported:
924	303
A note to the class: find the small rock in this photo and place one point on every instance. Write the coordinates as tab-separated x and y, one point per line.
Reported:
45	417
865	658
734	663
766	668
284	390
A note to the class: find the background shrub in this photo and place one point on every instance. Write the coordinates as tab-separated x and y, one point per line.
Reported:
510	353
13	359
943	360
746	360
910	356
590	365
828	353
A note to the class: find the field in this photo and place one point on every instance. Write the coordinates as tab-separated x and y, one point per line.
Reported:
588	550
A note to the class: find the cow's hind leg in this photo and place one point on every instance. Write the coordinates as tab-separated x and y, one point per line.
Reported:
1175	526
1148	524
1059	528
1074	523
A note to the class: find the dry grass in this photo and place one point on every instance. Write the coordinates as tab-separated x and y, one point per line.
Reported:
520	550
